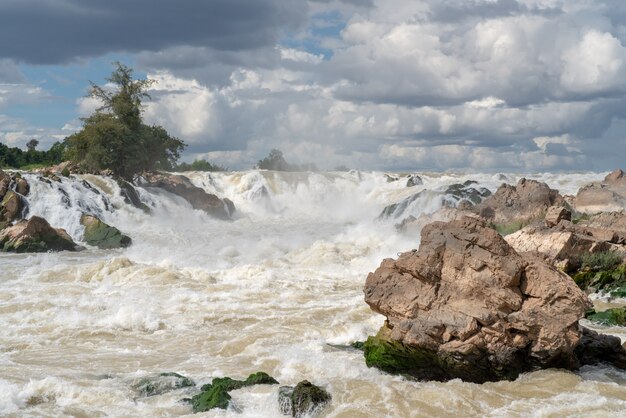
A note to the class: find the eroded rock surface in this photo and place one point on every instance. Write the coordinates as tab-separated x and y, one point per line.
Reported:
197	197
522	203
604	196
35	235
467	305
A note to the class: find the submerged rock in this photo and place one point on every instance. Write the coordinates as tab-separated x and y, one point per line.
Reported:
466	192
215	394
304	400
414	180
101	235
131	196
467	305
35	235
162	383
197	197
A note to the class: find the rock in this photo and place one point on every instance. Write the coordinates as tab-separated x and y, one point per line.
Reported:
197	197
414	180
11	207
467	305
101	235
391	179
131	196
22	186
616	175
614	316
556	214
456	195
161	383
215	395
595	348
605	196
606	226
557	245
305	400
522	203
465	192
5	182
35	235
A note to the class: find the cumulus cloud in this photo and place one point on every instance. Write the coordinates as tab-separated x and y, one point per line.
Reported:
390	84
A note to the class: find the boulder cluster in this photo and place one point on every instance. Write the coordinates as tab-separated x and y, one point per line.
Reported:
498	286
20	233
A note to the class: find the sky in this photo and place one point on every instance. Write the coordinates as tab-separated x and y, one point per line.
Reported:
479	85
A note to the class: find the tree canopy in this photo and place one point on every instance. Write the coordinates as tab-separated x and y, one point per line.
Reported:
276	161
114	137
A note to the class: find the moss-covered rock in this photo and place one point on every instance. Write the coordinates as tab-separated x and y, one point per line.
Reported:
215	394
615	316
101	235
306	399
394	357
162	383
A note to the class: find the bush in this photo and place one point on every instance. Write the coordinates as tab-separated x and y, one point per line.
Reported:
602	261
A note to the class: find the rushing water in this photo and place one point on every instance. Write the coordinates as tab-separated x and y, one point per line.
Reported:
270	291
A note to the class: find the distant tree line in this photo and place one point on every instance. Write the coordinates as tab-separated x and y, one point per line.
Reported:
199	165
13	157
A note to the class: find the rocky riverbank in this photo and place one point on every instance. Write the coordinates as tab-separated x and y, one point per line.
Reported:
19	232
486	297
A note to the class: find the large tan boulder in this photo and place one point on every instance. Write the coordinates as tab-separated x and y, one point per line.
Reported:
522	203
35	235
557	244
605	196
467	305
197	197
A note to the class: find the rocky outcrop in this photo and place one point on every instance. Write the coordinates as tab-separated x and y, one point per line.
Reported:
197	197
11	207
13	188
414	180
467	305
304	400
101	235
605	196
461	195
130	195
35	235
565	243
519	204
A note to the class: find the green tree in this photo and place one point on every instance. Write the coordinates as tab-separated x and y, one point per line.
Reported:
274	161
115	137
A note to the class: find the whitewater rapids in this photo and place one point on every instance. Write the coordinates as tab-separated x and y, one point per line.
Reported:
271	291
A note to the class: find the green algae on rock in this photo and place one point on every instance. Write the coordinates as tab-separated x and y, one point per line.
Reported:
306	399
215	394
614	316
101	235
